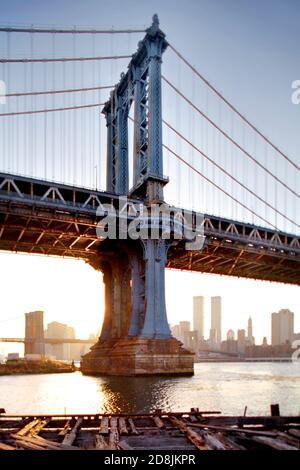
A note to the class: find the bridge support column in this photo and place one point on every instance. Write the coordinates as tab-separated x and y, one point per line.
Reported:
135	338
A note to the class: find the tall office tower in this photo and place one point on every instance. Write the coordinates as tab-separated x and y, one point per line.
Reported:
230	335
58	330
241	336
175	330
198	316
250	337
282	324
241	340
216	318
34	333
184	327
250	329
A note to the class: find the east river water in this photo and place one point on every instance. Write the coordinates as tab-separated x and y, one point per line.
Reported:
226	387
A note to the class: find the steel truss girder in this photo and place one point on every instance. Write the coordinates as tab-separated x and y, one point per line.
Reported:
52	227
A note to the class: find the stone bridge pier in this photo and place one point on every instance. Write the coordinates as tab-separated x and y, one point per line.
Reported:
135	337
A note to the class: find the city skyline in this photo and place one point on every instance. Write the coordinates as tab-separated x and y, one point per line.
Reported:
282	328
84	293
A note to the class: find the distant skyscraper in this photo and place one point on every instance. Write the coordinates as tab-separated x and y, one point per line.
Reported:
216	318
241	340
282	327
230	335
241	336
58	330
175	331
198	316
250	329
184	326
250	337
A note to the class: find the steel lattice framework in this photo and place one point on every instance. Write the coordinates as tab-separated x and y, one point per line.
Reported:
55	219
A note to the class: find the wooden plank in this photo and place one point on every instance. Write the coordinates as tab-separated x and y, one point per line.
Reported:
33	427
277	444
25	430
4	446
233	430
123	445
191	435
158	422
294	433
251	420
27	445
66	428
289	439
71	435
36	429
213	442
100	442
42	442
133	429
113	434
104	426
122	427
219	441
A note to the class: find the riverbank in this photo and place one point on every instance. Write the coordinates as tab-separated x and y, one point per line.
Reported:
35	367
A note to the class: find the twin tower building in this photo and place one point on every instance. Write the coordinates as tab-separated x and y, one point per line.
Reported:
215	335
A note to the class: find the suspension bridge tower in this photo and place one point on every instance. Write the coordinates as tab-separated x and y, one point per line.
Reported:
135	337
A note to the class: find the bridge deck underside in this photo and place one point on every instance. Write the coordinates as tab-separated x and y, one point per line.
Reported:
54	219
218	257
50	232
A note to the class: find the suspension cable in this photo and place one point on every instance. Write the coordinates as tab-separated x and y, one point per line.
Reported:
8	29
230	138
229	174
63	59
51	110
217	186
52	92
233	108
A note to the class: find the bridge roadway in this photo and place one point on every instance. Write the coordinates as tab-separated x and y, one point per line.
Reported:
57	219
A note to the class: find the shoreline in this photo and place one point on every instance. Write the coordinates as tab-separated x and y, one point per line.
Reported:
35	368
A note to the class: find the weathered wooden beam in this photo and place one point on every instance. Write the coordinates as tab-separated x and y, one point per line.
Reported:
42	442
158	422
123	445
66	428
113	434
232	430
28	427
133	429
276	444
191	435
71	435
4	446
104	426
213	442
122	427
294	433
100	442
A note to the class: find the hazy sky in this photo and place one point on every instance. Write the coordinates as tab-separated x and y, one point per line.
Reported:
249	51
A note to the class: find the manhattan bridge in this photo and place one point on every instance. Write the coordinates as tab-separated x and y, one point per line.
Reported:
72	142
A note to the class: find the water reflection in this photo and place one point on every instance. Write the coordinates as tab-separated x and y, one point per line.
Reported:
136	394
226	387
